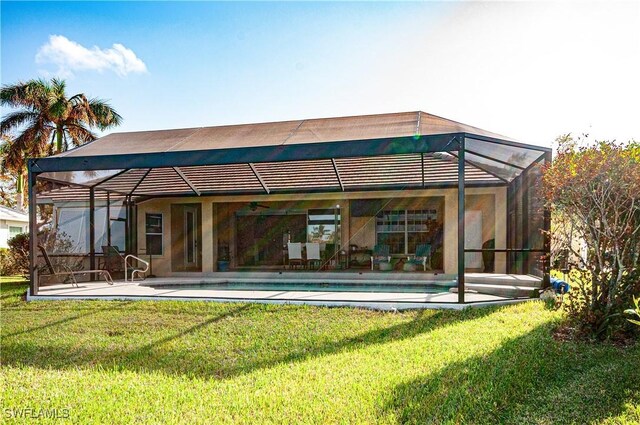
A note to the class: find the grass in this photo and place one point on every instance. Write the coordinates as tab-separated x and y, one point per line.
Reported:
198	362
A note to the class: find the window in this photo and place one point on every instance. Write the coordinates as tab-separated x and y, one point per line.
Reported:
421	227
391	230
14	230
73	231
323	225
404	230
153	230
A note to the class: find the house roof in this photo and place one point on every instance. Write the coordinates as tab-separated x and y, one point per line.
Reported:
320	130
387	151
7	213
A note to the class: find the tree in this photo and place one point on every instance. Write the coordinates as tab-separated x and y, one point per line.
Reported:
46	121
594	189
12	168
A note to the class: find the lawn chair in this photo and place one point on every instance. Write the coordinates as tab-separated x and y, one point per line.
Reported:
422	256
313	253
380	255
66	270
294	249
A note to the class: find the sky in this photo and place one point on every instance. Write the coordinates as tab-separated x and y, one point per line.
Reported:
529	70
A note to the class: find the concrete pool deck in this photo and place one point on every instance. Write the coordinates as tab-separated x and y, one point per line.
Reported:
170	289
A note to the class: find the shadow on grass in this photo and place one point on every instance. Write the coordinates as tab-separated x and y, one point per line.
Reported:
530	379
89	311
182	352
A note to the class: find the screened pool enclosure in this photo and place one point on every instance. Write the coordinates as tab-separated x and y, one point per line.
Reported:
404	197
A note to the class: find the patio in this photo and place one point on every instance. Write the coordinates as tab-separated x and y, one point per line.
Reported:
312	288
392	190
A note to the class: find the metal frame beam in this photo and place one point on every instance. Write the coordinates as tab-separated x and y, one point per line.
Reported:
305	151
335	168
140	182
546	278
461	219
92	231
391	187
506	142
187	181
110	178
259	177
473	164
490	158
33	230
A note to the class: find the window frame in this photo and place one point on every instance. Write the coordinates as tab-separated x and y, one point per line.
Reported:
405	225
337	222
11	235
161	234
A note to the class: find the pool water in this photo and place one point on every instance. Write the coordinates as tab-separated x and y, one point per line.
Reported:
427	288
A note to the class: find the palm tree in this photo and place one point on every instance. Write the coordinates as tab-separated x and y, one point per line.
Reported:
45	114
13	165
46	121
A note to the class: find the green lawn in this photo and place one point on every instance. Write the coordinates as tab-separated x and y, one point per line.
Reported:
197	362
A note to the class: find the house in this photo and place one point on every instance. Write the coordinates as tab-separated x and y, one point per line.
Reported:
12	223
197	201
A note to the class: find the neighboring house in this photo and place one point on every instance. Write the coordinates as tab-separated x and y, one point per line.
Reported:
12	222
194	198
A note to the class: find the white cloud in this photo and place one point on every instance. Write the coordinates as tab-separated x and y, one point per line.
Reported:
71	57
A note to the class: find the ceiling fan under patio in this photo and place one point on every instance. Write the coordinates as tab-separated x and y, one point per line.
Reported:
253	206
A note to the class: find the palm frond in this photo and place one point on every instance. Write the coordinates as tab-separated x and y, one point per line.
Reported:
34	139
106	116
79	135
32	95
15	120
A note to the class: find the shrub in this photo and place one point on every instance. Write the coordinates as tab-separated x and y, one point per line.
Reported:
7	265
594	192
634	312
19	252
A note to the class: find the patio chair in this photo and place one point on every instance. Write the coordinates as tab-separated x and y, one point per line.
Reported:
294	249
380	255
66	270
313	253
422	256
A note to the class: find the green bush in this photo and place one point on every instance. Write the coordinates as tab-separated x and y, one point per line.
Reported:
7	265
593	190
19	253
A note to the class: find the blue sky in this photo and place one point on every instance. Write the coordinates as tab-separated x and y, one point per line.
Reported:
528	70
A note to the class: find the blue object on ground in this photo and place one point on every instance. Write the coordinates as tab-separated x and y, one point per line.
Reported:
560	286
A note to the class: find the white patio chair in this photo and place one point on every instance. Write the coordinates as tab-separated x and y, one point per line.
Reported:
313	253
294	249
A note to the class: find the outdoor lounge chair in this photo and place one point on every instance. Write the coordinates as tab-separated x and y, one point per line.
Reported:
380	255
294	249
422	256
313	253
66	270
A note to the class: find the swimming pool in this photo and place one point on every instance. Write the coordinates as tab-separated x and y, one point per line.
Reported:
426	288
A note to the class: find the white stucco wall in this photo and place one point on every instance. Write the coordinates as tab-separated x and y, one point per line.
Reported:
4	230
